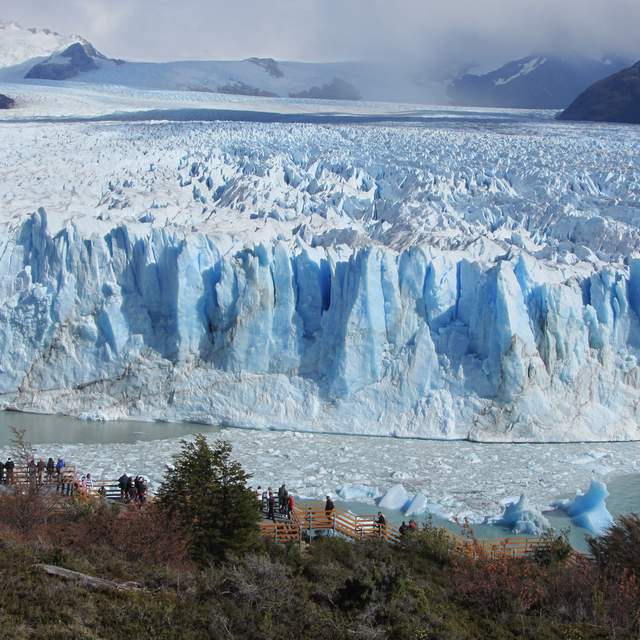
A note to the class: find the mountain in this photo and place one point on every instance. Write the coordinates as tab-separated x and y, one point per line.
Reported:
534	82
78	58
17	45
5	102
614	99
250	77
33	54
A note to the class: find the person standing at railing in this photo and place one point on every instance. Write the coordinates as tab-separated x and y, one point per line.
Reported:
40	467
60	473
31	472
9	466
51	468
329	507
123	481
381	521
291	505
284	500
271	503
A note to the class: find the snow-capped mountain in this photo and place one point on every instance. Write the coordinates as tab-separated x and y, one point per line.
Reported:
534	82
614	99
80	57
17	44
43	55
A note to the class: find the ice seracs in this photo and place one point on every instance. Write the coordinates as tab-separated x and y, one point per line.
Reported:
406	281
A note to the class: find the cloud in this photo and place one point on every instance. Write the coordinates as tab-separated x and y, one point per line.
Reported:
426	31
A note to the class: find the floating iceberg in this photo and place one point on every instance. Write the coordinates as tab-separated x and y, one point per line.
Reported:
589	510
396	497
519	517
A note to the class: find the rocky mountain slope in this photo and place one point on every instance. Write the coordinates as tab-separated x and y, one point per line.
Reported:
614	99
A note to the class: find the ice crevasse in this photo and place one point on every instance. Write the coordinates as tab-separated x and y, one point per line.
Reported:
169	325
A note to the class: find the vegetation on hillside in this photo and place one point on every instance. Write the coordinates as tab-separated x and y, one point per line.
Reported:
331	589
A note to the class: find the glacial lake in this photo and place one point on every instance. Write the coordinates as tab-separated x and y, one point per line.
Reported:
129	443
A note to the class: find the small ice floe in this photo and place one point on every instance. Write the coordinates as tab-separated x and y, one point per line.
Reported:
589	510
520	517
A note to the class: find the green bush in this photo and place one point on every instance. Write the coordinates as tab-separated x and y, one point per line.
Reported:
207	493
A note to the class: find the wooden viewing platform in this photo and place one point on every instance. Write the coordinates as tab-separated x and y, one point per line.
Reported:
310	521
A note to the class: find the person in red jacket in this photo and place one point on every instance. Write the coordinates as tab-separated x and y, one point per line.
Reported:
291	505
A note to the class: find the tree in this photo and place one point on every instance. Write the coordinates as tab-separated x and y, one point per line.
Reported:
207	493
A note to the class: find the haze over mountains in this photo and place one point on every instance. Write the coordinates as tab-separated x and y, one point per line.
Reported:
544	81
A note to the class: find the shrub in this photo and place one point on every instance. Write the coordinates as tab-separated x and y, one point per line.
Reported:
618	550
207	494
555	548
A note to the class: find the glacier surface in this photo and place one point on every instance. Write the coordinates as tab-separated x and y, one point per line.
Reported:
455	280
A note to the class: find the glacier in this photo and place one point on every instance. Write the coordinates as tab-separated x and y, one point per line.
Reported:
447	282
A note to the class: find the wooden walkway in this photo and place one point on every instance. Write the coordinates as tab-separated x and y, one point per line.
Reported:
310	521
307	522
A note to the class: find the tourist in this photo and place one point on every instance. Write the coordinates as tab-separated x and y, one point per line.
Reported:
88	482
60	473
284	504
123	481
51	467
40	467
381	521
403	529
271	503
9	466
329	507
31	471
412	525
1	472
131	489
141	489
281	492
291	505
102	491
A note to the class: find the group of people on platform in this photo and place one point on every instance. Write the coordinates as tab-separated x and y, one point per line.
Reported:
283	503
271	503
39	472
132	489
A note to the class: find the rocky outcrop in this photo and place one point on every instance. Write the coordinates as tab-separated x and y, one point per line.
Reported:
336	90
6	102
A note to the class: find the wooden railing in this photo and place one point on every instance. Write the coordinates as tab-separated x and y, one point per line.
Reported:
21	475
312	519
354	527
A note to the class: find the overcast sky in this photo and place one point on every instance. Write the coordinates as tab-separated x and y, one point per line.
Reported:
453	30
